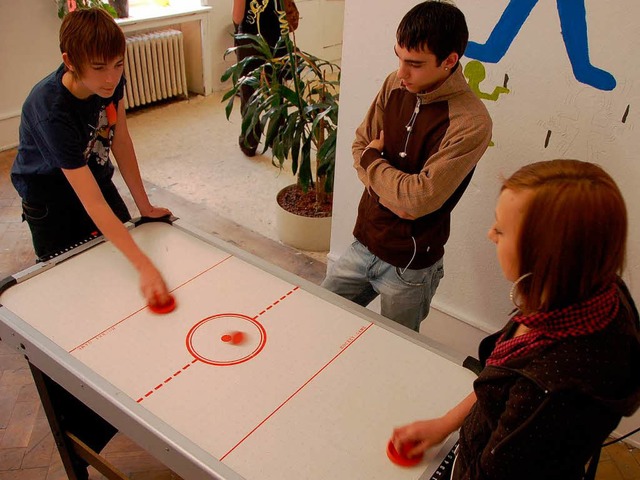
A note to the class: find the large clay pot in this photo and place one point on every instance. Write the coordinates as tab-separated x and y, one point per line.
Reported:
302	232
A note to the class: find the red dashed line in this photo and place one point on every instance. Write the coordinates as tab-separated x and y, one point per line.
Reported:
276	302
146	395
167	380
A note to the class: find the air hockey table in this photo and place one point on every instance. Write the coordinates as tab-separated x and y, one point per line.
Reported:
313	390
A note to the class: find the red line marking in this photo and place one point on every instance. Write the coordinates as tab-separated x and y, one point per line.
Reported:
167	380
276	302
203	272
148	394
296	392
86	342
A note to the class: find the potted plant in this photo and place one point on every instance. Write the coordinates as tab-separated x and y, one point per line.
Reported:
295	101
116	8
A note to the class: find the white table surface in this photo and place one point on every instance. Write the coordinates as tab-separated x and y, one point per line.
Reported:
313	392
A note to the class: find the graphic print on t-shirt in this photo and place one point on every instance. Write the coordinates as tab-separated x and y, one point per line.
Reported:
99	145
256	7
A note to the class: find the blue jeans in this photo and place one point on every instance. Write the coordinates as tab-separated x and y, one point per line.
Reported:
405	295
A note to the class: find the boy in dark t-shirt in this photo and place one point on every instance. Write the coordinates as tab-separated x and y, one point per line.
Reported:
70	122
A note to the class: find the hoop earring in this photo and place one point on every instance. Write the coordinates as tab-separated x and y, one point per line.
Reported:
512	292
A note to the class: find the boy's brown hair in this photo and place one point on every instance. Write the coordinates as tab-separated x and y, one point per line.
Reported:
437	26
89	35
574	233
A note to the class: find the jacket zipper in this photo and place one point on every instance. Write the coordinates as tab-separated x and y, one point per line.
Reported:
532	416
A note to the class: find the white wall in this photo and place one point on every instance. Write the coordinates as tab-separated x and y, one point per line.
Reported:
320	29
28	51
585	123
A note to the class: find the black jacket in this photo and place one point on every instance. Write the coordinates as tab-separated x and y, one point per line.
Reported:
543	415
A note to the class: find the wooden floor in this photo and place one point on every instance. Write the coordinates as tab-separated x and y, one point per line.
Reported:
27	450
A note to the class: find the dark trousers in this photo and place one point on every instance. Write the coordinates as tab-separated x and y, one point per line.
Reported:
59	224
249	143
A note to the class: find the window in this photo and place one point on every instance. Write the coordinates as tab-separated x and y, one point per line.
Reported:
164	3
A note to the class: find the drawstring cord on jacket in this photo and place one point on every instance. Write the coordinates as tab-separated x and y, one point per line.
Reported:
409	126
415	250
403	154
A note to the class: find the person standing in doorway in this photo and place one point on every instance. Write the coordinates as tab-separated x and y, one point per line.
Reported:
415	153
254	17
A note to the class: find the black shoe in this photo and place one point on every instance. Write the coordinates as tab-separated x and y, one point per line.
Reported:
248	150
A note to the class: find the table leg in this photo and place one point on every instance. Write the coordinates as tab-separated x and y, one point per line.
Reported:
79	437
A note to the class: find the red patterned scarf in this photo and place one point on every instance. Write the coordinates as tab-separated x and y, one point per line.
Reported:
584	318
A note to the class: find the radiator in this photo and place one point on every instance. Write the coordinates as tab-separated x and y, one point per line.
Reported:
154	67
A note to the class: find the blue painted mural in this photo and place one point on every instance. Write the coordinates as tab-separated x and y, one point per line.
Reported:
573	20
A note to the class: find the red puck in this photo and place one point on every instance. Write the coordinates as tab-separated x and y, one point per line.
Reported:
400	458
237	338
234	338
169	306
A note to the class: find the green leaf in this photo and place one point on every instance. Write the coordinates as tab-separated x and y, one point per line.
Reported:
229	107
295	101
